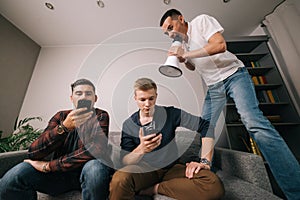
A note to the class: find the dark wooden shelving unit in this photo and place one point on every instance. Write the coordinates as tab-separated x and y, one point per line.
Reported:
257	57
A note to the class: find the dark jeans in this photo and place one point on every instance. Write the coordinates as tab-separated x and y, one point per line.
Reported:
22	182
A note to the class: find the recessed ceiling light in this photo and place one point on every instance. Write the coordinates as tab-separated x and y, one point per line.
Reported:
49	5
226	1
100	3
167	2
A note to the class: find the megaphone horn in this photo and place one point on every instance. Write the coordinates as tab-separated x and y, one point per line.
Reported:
171	66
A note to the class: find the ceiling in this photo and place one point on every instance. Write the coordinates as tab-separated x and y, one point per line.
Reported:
81	22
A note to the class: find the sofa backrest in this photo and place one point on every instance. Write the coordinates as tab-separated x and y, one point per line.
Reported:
10	159
188	145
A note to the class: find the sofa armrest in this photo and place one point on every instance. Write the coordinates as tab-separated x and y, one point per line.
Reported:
10	159
246	166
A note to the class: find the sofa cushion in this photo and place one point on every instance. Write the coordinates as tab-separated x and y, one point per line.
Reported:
76	195
72	195
237	189
245	166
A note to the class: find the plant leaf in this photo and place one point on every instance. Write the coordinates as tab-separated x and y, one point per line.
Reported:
24	134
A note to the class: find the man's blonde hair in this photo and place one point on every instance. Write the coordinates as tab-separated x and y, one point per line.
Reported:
144	84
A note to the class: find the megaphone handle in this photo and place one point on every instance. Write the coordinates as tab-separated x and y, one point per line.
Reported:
189	65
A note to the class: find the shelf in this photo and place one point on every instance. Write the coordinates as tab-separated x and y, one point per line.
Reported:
244	44
239	124
276	104
255	53
267	86
259	71
250	57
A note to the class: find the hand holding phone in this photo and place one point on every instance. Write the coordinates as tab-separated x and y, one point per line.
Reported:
149	140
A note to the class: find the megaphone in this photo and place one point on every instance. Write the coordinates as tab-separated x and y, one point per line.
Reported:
171	66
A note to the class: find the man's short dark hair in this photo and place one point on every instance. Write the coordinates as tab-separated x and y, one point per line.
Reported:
170	13
82	82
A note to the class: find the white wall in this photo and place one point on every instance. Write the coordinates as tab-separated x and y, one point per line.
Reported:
283	26
49	87
258	31
18	55
113	66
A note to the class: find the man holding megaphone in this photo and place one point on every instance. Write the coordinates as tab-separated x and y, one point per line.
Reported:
226	76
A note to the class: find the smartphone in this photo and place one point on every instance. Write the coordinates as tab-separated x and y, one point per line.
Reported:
150	129
84	103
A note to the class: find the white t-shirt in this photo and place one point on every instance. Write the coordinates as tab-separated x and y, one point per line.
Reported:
213	68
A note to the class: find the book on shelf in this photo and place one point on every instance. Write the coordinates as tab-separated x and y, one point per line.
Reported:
275	96
254	147
273	118
266	96
253	64
269	95
255	80
262	96
262	81
250	145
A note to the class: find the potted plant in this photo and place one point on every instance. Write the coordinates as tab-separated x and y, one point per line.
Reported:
23	135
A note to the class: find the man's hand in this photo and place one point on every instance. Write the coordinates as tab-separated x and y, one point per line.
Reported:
148	142
177	51
193	168
41	166
75	118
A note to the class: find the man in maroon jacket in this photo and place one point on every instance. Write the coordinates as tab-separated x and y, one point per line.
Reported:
77	142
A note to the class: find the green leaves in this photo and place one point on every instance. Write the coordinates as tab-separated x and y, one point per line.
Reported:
24	134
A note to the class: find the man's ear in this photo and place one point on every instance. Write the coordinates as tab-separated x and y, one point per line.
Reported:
96	98
72	100
181	18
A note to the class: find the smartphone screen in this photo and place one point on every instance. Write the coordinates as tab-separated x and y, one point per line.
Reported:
84	103
150	128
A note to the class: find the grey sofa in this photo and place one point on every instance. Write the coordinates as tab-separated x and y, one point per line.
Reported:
243	174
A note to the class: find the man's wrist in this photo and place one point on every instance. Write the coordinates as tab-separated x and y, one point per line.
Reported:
205	161
61	129
185	56
139	150
46	168
65	128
